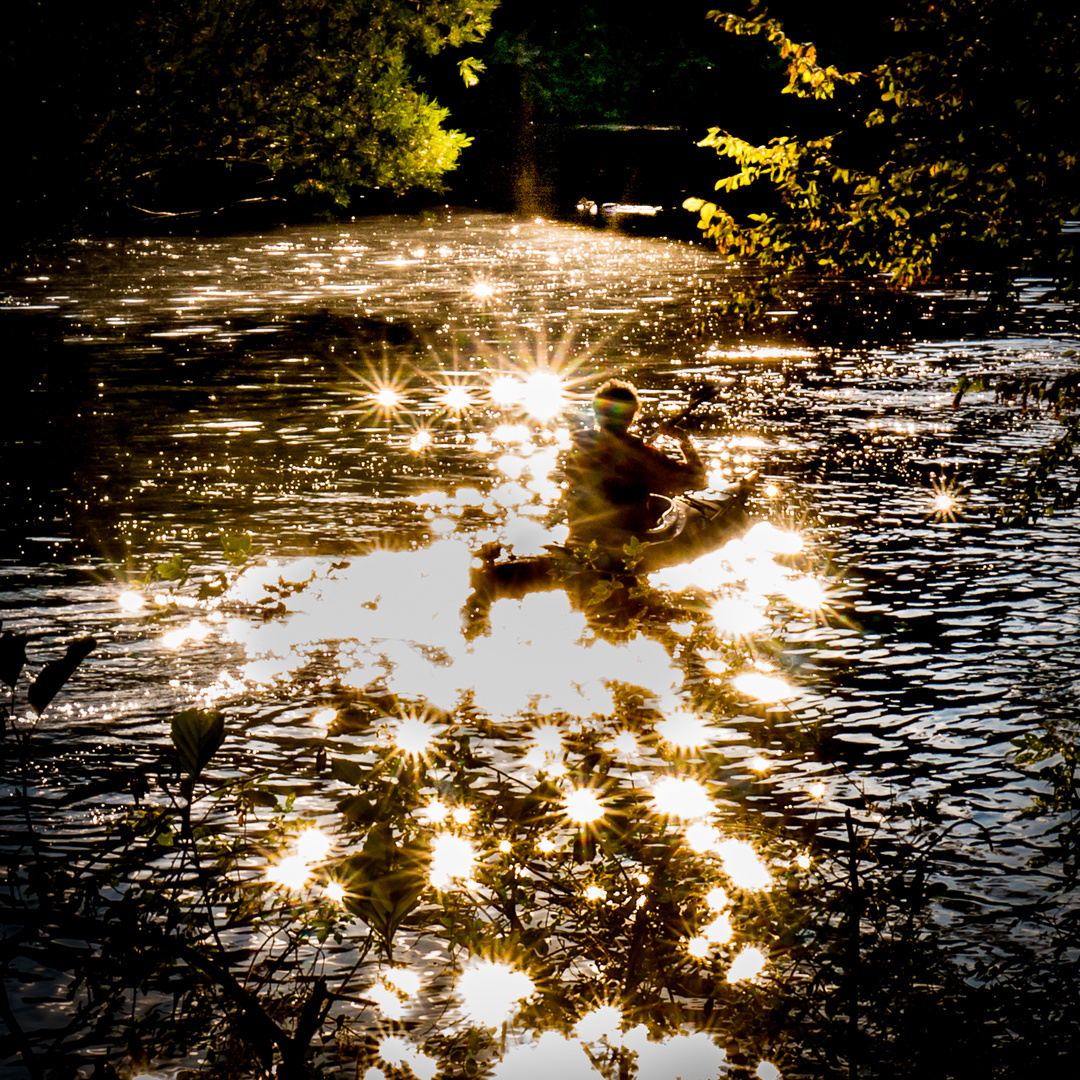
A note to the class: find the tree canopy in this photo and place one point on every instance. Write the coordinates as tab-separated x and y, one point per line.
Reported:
125	105
955	141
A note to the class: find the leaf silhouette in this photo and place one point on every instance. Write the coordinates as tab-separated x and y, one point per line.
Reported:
12	656
57	672
197	735
385	881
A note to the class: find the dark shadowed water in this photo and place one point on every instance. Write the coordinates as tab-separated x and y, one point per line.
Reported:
164	393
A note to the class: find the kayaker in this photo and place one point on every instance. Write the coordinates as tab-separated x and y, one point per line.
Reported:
611	473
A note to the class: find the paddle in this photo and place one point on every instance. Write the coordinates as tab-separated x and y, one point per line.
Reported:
700	394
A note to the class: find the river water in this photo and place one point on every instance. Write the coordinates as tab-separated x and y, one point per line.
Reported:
370	402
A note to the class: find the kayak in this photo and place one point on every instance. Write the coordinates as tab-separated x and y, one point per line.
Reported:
686	527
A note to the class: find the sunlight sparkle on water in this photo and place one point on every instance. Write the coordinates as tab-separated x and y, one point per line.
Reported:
400	1054
762	687
324	718
583	805
684	730
720	930
702	837
550	1054
387	398
624	744
452	859
312	844
544	396
808	593
403	980
944	501
412	735
309	847
420	441
773	540
743	865
747	965
736	616
194	631
291	872
130	600
482	290
456	399
681	797
505	391
717	899
490	991
334	891
436	812
603	1022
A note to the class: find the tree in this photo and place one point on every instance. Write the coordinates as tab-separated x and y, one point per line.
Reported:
958	143
171	104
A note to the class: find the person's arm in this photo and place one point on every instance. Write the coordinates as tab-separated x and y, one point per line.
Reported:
693	458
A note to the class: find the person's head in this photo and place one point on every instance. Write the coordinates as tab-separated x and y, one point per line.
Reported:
615	404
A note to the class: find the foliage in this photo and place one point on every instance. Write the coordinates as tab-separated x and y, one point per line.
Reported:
1042	489
583	63
169	105
211	915
960	145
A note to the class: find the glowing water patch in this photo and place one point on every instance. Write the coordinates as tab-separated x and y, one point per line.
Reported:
684	730
551	1054
747	965
603	1022
762	687
400	1054
583	805
490	992
738	617
743	866
681	797
392	620
130	600
452	859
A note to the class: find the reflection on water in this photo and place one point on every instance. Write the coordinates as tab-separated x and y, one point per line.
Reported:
373	402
